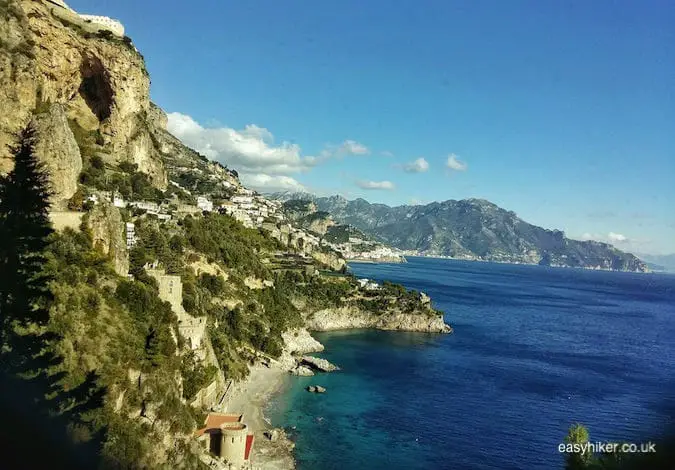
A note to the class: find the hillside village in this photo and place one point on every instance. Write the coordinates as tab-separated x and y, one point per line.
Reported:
347	240
169	280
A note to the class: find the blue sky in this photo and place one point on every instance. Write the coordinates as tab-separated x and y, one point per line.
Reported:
562	112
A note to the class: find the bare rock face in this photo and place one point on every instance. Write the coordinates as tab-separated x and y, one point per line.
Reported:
319	364
300	341
343	318
332	260
157	117
302	371
107	229
55	145
321	225
100	81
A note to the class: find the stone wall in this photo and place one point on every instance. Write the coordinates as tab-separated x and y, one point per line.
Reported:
66	219
192	329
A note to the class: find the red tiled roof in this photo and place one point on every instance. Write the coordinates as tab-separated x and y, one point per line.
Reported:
215	420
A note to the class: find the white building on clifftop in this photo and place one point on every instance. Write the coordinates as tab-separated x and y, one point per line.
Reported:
111	25
102	22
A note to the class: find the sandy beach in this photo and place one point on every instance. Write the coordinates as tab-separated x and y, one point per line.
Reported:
250	398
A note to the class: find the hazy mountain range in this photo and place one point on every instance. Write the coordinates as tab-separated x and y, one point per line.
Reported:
470	229
659	262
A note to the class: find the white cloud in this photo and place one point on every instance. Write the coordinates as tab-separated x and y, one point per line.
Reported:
351	147
418	166
454	163
616	237
346	148
249	150
611	237
386	153
270	183
364	184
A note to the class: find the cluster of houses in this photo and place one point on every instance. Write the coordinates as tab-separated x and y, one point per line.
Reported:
359	249
251	209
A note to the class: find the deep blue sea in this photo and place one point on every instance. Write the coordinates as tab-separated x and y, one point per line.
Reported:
534	350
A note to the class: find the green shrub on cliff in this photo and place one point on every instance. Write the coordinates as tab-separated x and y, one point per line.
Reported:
195	375
226	240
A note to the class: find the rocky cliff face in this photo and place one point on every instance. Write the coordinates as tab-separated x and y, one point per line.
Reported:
351	317
48	55
330	259
107	230
55	145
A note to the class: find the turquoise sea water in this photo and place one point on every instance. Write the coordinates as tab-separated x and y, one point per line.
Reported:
534	350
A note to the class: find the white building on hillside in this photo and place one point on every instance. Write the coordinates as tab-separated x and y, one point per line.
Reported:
118	201
131	235
204	204
111	25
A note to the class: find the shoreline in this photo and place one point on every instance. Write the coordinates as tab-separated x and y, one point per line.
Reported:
520	263
251	397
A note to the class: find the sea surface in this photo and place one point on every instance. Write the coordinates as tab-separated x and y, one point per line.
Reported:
534	350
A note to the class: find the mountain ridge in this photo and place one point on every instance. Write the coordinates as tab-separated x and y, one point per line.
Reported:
472	229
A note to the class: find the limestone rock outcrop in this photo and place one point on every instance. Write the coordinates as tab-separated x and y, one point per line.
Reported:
49	56
330	259
56	147
107	230
300	341
351	317
319	364
302	371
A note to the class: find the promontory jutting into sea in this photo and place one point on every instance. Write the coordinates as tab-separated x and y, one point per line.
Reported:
299	249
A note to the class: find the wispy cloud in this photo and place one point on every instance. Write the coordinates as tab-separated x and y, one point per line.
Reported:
351	147
346	148
386	153
611	237
365	184
248	150
270	183
455	164
417	166
261	162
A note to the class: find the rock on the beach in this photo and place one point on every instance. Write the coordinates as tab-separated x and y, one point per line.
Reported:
311	388
302	371
320	389
272	435
319	364
300	341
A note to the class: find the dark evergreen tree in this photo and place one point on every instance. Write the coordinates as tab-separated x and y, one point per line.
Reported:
24	231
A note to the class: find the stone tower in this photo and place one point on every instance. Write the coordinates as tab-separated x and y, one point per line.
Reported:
233	443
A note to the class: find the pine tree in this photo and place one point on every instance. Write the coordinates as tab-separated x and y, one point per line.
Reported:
24	231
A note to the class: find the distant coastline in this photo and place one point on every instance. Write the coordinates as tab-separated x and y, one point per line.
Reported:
383	260
478	260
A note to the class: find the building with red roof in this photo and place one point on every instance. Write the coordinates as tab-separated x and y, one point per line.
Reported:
226	435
